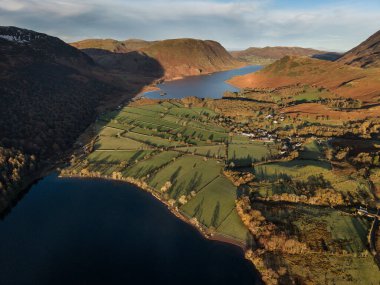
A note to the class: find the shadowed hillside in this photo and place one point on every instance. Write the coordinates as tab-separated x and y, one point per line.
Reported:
365	55
50	92
178	57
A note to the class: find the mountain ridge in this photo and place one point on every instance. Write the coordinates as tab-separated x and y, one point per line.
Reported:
269	54
366	54
179	57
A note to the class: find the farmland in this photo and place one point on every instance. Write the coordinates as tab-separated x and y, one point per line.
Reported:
250	180
177	152
243	154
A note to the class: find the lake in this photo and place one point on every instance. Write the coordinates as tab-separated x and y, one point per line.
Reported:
90	231
203	86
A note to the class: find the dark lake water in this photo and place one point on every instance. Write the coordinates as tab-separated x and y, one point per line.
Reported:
72	231
204	86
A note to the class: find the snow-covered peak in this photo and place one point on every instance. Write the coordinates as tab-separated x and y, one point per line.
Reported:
19	35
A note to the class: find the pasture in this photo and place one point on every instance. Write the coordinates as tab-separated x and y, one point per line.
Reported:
244	154
213	204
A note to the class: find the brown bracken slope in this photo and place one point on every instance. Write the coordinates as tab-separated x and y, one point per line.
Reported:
275	52
112	45
343	80
365	55
178	57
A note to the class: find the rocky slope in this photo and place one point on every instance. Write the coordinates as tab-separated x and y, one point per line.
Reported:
365	55
177	57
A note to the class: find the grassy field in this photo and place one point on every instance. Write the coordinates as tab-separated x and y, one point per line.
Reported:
151	140
212	205
298	168
244	154
312	150
233	226
218	151
187	173
149	166
117	143
115	157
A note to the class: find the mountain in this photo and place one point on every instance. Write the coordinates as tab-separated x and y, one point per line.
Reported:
343	80
50	92
330	56
365	55
178	57
268	55
112	45
182	57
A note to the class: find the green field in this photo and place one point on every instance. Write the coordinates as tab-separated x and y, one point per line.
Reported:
149	166
312	150
151	140
117	143
297	168
244	154
114	157
213	203
233	226
187	173
217	151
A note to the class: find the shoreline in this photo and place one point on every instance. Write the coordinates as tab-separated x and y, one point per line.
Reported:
153	86
174	210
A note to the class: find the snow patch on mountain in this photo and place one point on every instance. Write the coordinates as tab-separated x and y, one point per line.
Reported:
14	39
18	36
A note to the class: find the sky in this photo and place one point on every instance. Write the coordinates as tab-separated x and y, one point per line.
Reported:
332	25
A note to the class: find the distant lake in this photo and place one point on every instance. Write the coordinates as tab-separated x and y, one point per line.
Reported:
83	231
203	86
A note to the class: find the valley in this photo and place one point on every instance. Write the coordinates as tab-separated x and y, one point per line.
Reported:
224	176
282	161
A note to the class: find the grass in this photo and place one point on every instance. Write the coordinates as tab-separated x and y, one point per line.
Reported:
233	226
247	153
312	150
115	143
218	151
109	132
150	140
212	205
116	157
149	166
203	134
298	168
187	173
